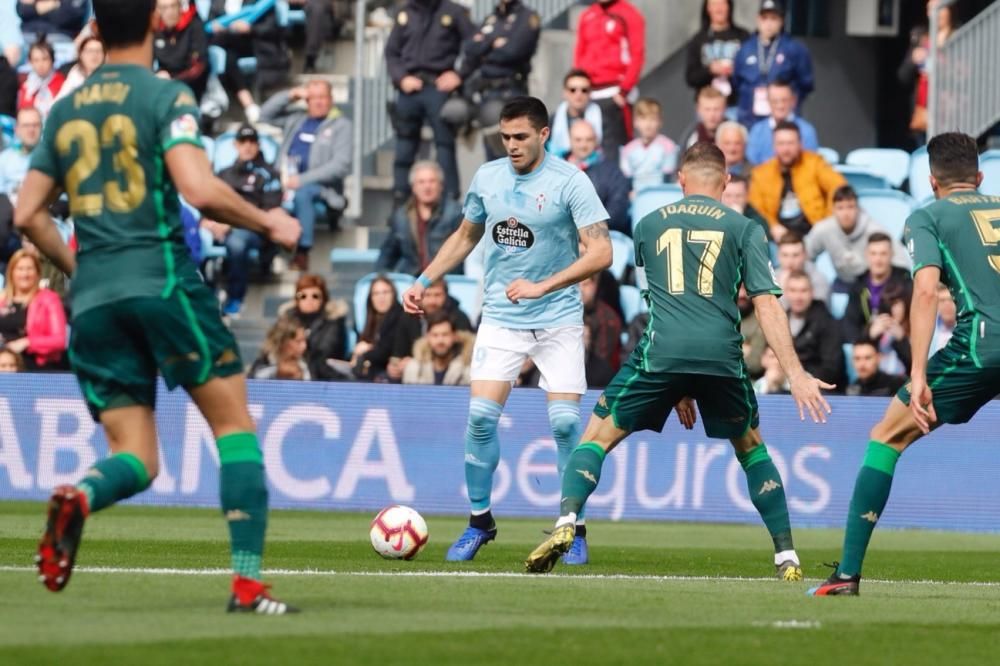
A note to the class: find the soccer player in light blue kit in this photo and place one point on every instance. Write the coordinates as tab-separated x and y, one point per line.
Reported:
536	211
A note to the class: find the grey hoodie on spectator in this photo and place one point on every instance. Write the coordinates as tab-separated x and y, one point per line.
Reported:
848	250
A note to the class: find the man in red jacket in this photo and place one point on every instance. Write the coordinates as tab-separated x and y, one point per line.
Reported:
611	48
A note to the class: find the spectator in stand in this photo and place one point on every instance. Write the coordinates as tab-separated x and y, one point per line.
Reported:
711	54
814	332
325	324
792	259
90	56
871	381
611	48
781	98
769	55
259	184
181	46
283	355
9	87
11	361
710	109
249	28
419	228
421	55
845	236
794	189
611	184
946	319
890	329
375	344
737	196
868	290
754	342
604	323
498	60
59	20
913	71
731	138
442	357
773	381
322	23
316	157
411	329
14	160
32	318
650	158
41	88
576	105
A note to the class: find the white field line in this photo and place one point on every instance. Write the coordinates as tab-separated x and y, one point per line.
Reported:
154	571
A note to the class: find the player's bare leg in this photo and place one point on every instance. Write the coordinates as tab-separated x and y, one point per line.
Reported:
132	465
242	489
482	455
583	472
564	419
767	492
889	438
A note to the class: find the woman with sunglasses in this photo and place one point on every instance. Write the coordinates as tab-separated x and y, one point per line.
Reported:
325	325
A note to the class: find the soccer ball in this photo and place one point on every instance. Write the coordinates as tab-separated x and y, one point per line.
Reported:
398	533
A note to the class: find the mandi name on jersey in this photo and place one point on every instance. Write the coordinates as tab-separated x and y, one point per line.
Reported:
97	93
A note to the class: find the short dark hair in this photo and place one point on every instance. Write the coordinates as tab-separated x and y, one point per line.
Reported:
440	317
791	238
704	155
879	237
787	125
864	340
954	158
576	74
844	193
531	108
41	44
739	179
123	23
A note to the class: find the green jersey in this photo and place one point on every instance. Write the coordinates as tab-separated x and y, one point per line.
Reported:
960	234
692	257
104	145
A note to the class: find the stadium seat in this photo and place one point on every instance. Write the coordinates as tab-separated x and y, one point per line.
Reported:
848	354
349	255
217	59
468	292
204	8
824	264
624	254
225	150
890	163
890	208
838	304
829	154
863	179
989	164
281	12
632	302
652	198
209	144
920	171
7	124
361	289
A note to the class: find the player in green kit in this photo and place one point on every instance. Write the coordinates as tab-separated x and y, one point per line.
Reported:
691	258
955	240
122	147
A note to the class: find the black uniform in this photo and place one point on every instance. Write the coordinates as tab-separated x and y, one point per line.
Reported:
498	73
425	42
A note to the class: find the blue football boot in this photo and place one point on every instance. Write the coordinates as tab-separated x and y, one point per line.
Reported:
578	552
467	545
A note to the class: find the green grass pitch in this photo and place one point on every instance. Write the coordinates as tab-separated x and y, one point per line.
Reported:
149	591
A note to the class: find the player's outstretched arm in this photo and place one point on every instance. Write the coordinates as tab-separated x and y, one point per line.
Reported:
923	314
454	251
37	193
805	387
596	257
192	174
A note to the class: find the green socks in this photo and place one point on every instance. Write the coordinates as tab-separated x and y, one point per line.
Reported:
767	492
244	500
112	480
580	478
871	492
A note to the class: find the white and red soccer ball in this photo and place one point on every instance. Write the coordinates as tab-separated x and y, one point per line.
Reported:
398	533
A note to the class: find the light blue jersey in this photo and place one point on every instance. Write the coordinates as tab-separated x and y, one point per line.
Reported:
532	224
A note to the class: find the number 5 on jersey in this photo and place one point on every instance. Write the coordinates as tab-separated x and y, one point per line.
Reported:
989	234
671	241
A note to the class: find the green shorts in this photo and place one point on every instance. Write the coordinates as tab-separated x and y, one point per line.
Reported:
960	386
117	349
638	400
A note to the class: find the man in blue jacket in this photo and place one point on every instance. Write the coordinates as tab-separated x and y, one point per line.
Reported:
769	55
781	98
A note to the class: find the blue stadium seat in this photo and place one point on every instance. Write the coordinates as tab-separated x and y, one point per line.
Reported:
217	59
468	292
247	65
920	171
225	150
824	264
209	144
863	179
892	164
989	164
624	254
281	12
848	354
7	124
349	255
838	304
632	302
829	154
361	289
652	198
890	208
209	250
204	8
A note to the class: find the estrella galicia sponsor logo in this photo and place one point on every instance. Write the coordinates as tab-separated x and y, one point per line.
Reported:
512	236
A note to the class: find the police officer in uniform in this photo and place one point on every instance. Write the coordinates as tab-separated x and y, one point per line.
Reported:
496	64
421	56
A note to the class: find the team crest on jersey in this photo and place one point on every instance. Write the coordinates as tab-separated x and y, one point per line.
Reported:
184	127
512	236
540	201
